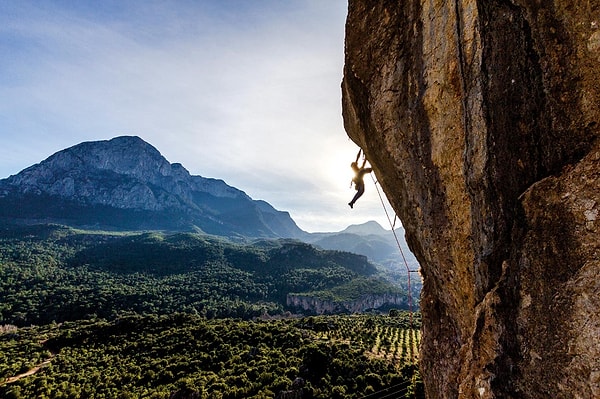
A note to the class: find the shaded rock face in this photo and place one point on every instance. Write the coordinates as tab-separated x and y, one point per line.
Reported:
367	302
480	119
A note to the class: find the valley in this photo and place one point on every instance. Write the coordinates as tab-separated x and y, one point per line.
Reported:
52	273
99	314
123	276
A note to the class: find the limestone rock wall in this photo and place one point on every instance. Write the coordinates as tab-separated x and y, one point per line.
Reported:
480	119
366	302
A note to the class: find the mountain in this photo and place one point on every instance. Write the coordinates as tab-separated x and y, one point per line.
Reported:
371	240
370	227
125	183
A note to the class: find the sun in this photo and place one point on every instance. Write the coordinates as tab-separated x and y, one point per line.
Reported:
338	169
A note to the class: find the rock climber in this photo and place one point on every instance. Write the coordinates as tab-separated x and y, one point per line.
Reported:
359	174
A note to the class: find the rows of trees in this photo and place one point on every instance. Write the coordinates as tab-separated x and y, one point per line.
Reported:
186	356
396	338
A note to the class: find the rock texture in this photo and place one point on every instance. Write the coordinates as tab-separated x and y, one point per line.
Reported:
367	302
126	183
480	119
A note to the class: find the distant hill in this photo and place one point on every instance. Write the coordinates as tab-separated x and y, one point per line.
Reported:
371	240
52	272
126	184
368	228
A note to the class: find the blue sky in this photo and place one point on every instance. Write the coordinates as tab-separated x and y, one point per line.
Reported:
244	91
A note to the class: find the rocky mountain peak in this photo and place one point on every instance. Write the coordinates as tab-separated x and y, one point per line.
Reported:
85	169
126	155
127	173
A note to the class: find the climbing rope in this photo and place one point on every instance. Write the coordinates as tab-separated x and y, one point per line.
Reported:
408	271
404	390
393	225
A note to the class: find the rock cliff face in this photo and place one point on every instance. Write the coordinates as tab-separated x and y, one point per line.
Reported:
367	302
480	119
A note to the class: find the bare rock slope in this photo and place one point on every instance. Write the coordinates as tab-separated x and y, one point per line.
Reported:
125	183
480	119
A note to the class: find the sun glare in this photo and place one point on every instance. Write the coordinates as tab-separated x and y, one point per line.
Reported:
338	169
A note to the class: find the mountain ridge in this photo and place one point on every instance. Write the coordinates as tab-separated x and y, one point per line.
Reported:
127	178
370	227
126	184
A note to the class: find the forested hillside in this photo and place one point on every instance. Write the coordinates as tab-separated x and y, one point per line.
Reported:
149	315
53	273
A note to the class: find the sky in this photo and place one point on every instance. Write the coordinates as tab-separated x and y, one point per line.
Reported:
243	91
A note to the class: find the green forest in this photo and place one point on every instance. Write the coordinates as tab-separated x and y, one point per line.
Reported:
89	314
187	356
51	273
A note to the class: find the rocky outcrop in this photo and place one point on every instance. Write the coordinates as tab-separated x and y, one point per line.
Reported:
125	172
317	305
480	119
126	182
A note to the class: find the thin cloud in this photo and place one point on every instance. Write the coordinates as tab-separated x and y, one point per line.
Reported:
248	92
